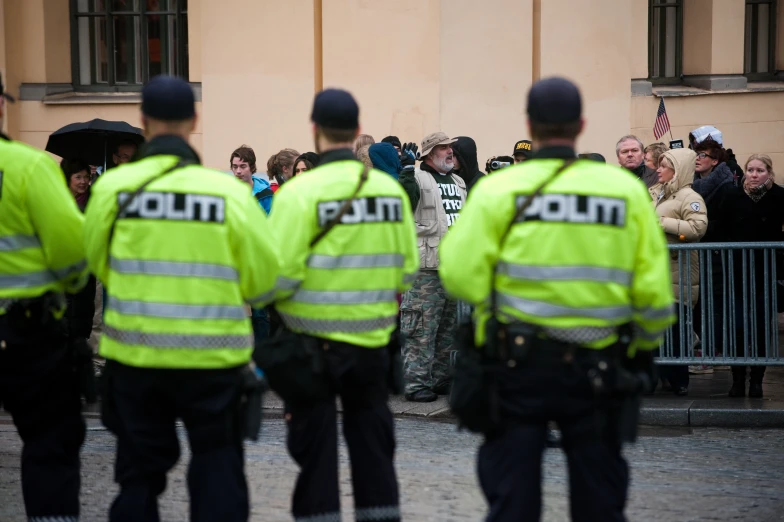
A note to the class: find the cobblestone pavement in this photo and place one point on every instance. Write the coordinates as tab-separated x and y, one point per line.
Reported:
678	475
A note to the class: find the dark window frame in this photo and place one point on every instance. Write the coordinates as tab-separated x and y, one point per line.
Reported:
181	23
661	48
772	14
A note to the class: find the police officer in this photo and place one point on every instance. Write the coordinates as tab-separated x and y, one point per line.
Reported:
342	293
177	247
41	256
575	259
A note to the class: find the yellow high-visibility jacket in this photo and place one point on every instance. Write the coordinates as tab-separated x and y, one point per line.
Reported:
345	289
179	265
589	256
41	246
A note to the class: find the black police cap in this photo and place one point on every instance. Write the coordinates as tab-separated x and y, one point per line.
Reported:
168	98
554	100
335	109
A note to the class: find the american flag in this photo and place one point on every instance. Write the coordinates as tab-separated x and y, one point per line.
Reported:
662	122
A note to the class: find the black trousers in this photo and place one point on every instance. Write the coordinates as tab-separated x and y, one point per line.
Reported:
141	407
360	378
39	388
510	461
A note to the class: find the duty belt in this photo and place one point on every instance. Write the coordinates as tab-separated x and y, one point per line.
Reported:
528	345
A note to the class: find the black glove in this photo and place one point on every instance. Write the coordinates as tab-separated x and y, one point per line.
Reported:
409	154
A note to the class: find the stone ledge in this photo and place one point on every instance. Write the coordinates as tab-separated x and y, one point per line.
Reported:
675	91
717	82
737	413
642	88
64	94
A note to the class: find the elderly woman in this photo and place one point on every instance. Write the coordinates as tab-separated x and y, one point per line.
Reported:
684	218
758	215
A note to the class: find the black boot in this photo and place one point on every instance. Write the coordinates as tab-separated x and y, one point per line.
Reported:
738	382
755	382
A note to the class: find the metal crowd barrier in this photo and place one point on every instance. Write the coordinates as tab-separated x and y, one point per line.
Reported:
733	319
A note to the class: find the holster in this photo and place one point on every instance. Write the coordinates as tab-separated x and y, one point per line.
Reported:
295	367
395	373
474	397
254	385
82	357
618	386
37	313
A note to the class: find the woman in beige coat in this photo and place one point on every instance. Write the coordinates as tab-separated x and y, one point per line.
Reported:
684	219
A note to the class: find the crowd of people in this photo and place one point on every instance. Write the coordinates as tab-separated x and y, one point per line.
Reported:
700	194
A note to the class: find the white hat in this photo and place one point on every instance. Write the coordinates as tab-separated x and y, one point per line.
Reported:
701	134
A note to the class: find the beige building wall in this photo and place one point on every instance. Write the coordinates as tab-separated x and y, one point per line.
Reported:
257	82
595	55
415	66
390	56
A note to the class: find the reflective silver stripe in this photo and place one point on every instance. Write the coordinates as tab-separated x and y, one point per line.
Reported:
53	519
566	273
262	299
322	517
173	268
337	325
541	309
654	314
580	334
409	278
284	283
355	261
176	311
18	242
75	268
174	341
341	298
645	335
377	513
28	280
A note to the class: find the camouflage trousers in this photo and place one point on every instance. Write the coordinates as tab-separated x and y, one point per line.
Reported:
428	322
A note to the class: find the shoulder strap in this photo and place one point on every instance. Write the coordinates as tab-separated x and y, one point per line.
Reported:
264	193
127	203
343	209
520	212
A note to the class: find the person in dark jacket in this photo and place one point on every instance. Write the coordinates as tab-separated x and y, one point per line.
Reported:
81	306
714	181
758	215
466	162
385	158
629	150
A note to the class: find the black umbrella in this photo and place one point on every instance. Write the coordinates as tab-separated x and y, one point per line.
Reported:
92	141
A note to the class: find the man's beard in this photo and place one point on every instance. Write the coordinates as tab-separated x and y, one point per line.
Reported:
444	165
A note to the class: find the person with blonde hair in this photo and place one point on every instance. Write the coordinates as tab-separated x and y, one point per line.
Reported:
363	140
684	219
757	216
363	155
